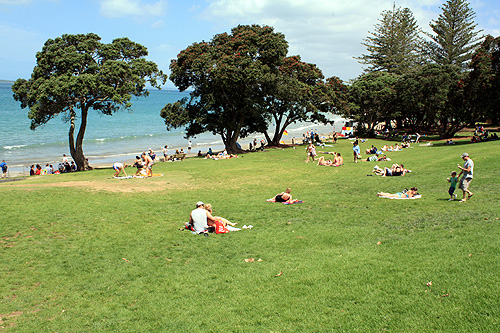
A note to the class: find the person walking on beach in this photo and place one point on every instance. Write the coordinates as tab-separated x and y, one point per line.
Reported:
4	168
190	145
468	173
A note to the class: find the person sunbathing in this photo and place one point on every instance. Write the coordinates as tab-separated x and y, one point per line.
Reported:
400	195
323	161
284	197
395	170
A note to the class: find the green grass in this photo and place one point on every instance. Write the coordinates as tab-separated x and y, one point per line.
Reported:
87	258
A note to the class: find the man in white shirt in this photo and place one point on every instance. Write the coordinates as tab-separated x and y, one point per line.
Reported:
200	218
468	174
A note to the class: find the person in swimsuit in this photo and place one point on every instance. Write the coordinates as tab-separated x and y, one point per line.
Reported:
405	194
118	167
284	197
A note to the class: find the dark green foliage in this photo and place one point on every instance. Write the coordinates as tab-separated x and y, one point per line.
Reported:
226	75
395	44
78	72
454	39
372	98
483	82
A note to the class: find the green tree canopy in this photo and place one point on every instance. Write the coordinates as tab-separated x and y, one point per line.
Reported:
226	76
482	85
395	45
290	96
455	37
429	98
77	73
372	98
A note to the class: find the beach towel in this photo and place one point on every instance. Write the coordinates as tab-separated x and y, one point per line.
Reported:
123	177
418	196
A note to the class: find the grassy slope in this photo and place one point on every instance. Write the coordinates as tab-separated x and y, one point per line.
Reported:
63	248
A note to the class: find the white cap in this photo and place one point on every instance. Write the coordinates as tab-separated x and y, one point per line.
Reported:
199	203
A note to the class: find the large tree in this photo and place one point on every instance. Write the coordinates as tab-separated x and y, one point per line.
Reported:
291	96
454	37
482	85
77	73
372	98
226	76
430	99
395	45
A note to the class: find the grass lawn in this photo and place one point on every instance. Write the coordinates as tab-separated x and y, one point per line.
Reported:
85	252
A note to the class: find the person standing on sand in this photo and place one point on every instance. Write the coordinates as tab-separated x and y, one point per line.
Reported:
468	174
4	168
165	153
190	145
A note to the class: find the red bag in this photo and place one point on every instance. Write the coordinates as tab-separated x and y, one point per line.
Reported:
220	228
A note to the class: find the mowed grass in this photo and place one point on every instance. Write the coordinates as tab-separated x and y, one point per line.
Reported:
85	252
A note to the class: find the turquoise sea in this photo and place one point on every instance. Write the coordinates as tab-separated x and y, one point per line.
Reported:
108	139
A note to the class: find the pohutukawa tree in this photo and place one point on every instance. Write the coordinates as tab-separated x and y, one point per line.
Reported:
226	75
75	74
454	37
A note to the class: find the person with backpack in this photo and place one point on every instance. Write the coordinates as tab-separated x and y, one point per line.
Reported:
4	168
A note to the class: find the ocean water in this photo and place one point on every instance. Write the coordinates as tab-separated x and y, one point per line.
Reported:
109	139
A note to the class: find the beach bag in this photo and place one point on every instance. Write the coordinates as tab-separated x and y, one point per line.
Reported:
220	228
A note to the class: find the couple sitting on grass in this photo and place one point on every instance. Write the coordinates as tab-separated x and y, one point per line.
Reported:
284	197
338	160
202	221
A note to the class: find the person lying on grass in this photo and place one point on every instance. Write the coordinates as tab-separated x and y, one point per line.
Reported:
395	170
225	222
284	197
400	195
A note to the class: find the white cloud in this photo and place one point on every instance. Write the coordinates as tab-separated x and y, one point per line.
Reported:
121	8
326	33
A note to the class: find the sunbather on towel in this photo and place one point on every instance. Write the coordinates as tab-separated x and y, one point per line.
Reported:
400	195
284	197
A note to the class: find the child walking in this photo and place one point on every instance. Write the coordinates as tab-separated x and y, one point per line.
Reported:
453	180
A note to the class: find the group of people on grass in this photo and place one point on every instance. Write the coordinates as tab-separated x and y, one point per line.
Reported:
63	167
201	221
143	164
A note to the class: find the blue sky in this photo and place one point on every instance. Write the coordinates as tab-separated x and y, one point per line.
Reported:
327	33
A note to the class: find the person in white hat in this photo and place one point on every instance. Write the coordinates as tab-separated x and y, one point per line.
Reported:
200	218
467	172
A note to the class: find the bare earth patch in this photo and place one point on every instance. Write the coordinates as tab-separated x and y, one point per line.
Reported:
117	185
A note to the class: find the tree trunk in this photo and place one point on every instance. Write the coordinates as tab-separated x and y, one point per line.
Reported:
76	148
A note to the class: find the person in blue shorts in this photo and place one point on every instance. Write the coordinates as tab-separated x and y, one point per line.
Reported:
118	167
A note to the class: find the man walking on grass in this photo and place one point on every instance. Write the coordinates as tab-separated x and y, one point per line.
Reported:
468	173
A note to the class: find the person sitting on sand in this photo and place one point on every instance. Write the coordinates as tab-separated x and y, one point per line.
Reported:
284	197
118	167
400	195
225	222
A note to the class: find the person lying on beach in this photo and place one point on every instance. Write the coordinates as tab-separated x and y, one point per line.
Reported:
284	197
225	222
119	167
400	195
